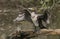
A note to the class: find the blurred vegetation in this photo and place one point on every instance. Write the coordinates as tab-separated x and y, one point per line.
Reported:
9	10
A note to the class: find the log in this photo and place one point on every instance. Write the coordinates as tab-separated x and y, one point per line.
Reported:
30	33
44	31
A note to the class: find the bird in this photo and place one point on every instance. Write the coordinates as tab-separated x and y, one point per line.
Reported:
39	21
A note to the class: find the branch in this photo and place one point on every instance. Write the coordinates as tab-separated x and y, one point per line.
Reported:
44	31
30	33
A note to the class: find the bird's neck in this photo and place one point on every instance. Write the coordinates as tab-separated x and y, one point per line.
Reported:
33	14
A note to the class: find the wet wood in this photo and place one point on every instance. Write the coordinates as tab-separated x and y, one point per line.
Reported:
44	31
25	34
